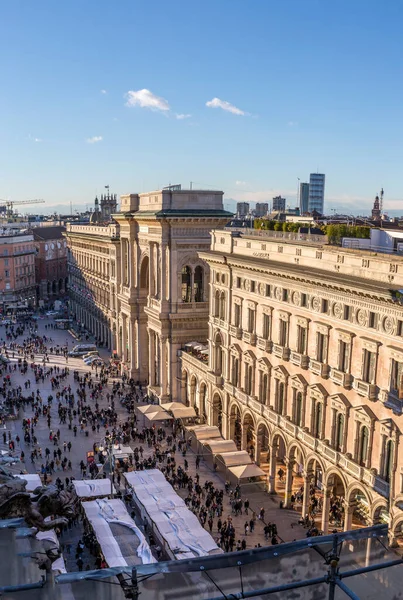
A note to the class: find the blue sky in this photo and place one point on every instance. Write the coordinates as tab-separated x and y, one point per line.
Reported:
310	85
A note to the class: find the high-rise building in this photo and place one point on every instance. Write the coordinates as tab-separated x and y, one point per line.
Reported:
303	197
262	208
242	209
278	204
316	192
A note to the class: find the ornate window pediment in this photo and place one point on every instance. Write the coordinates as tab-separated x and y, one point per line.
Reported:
364	414
299	383
318	392
237	300
249	357
284	315
267	310
369	344
345	336
264	365
302	321
250	304
280	373
236	351
340	402
322	328
396	353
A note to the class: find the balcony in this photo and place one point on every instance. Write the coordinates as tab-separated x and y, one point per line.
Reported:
340	378
265	345
301	360
281	351
368	390
250	338
391	400
235	332
319	368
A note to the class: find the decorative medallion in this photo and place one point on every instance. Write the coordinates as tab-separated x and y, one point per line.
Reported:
389	325
316	304
279	293
338	310
247	285
296	298
262	289
362	317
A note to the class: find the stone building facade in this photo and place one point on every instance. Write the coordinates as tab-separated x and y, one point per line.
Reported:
50	262
92	255
306	367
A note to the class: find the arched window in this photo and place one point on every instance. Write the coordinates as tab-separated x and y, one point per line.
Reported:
235	371
317	424
248	379
217	304
218	355
263	387
339	435
186	284
198	293
280	397
222	306
298	409
363	446
388	465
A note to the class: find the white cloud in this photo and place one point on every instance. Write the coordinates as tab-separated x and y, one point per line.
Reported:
34	139
182	116
217	103
94	140
104	92
37	140
146	99
292	123
240	182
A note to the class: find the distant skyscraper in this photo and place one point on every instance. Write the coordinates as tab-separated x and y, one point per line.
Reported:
262	208
242	209
278	204
303	197
316	192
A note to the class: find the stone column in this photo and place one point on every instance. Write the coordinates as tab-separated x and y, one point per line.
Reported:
124	338
152	271
163	368
288	483
272	469
348	515
151	357
306	495
326	510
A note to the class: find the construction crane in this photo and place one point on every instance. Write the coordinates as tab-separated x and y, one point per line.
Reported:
10	203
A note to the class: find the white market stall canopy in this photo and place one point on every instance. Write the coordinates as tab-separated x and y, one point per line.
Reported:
33	481
171	405
205	432
183	412
220	446
148	408
234	459
160	415
176	527
93	488
122	543
122	451
247	471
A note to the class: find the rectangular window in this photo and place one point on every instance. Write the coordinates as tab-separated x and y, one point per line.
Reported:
238	282
253	286
251	320
400	328
304	300
268	291
321	347
6	262
396	378
344	356
237	315
266	327
5	251
283	334
347	312
373	320
325	306
7	273
285	295
301	339
368	366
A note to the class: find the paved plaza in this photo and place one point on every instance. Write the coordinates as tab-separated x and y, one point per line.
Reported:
285	520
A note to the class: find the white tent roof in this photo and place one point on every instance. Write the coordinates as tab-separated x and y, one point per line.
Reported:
171	405
159	415
246	471
33	481
205	432
148	408
101	513
183	412
122	451
93	488
220	446
233	459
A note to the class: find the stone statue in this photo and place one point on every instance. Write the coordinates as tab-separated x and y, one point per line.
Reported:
44	502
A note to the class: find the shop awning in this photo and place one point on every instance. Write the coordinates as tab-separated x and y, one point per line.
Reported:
93	488
160	415
234	459
184	412
220	446
171	405
205	432
122	451
247	471
148	408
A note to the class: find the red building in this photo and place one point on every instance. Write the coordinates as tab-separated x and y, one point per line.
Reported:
50	262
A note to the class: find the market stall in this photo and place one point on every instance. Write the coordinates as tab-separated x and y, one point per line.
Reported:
33	481
93	488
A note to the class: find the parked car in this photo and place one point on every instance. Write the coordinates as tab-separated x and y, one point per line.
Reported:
4	359
89	354
82	350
